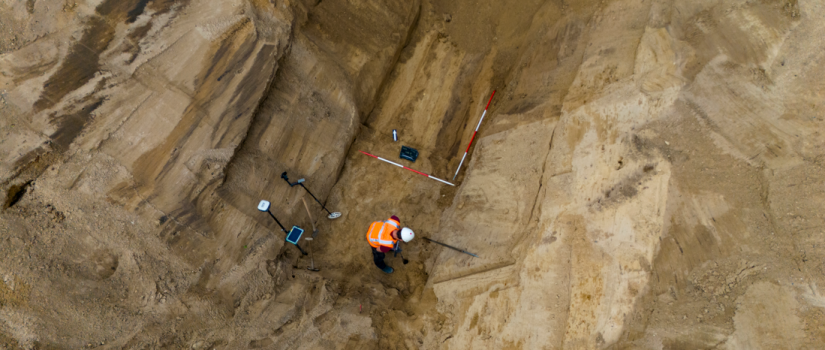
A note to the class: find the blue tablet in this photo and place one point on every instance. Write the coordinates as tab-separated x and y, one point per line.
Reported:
294	234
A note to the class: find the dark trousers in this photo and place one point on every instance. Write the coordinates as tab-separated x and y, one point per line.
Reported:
378	258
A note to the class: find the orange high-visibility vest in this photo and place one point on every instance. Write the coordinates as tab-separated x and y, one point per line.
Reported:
379	233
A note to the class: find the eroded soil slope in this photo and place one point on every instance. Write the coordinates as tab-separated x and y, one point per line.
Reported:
648	176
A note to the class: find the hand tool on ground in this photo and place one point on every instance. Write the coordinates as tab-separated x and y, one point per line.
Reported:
292	236
332	215
474	135
311	220
405	261
451	247
401	166
311	258
397	250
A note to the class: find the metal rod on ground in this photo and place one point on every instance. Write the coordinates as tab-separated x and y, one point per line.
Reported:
474	135
264	206
316	199
332	215
284	229
413	170
451	247
276	220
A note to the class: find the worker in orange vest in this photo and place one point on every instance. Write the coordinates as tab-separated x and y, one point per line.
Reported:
383	236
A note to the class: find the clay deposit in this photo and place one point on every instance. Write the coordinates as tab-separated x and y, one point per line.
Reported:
649	175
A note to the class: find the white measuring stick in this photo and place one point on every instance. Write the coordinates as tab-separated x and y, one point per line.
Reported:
413	170
474	134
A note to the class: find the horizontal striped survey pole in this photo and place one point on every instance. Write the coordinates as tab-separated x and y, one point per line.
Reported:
413	170
474	134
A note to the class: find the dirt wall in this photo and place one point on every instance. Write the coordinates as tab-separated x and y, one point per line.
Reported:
642	212
648	175
174	119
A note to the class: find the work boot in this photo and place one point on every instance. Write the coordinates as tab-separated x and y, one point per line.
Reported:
388	269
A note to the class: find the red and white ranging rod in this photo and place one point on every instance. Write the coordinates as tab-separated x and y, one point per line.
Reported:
413	170
474	135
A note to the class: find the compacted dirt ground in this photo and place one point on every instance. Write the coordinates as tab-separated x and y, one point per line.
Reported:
649	175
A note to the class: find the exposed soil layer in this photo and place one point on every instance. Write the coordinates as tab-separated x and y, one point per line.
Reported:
649	174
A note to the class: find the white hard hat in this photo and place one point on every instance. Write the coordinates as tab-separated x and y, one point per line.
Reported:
407	234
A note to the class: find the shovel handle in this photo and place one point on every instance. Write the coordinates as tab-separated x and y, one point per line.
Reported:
311	220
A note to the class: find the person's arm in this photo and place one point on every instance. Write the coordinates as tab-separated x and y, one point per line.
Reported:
384	249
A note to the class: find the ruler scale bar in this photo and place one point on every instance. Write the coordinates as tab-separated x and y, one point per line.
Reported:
410	169
474	134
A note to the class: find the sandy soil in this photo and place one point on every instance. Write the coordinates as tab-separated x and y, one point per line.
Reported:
648	176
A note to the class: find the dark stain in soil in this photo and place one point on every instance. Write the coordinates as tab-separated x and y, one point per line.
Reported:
71	125
80	64
133	14
15	194
83	60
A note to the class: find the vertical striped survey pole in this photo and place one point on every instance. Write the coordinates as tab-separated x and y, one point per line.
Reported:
413	170
474	135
